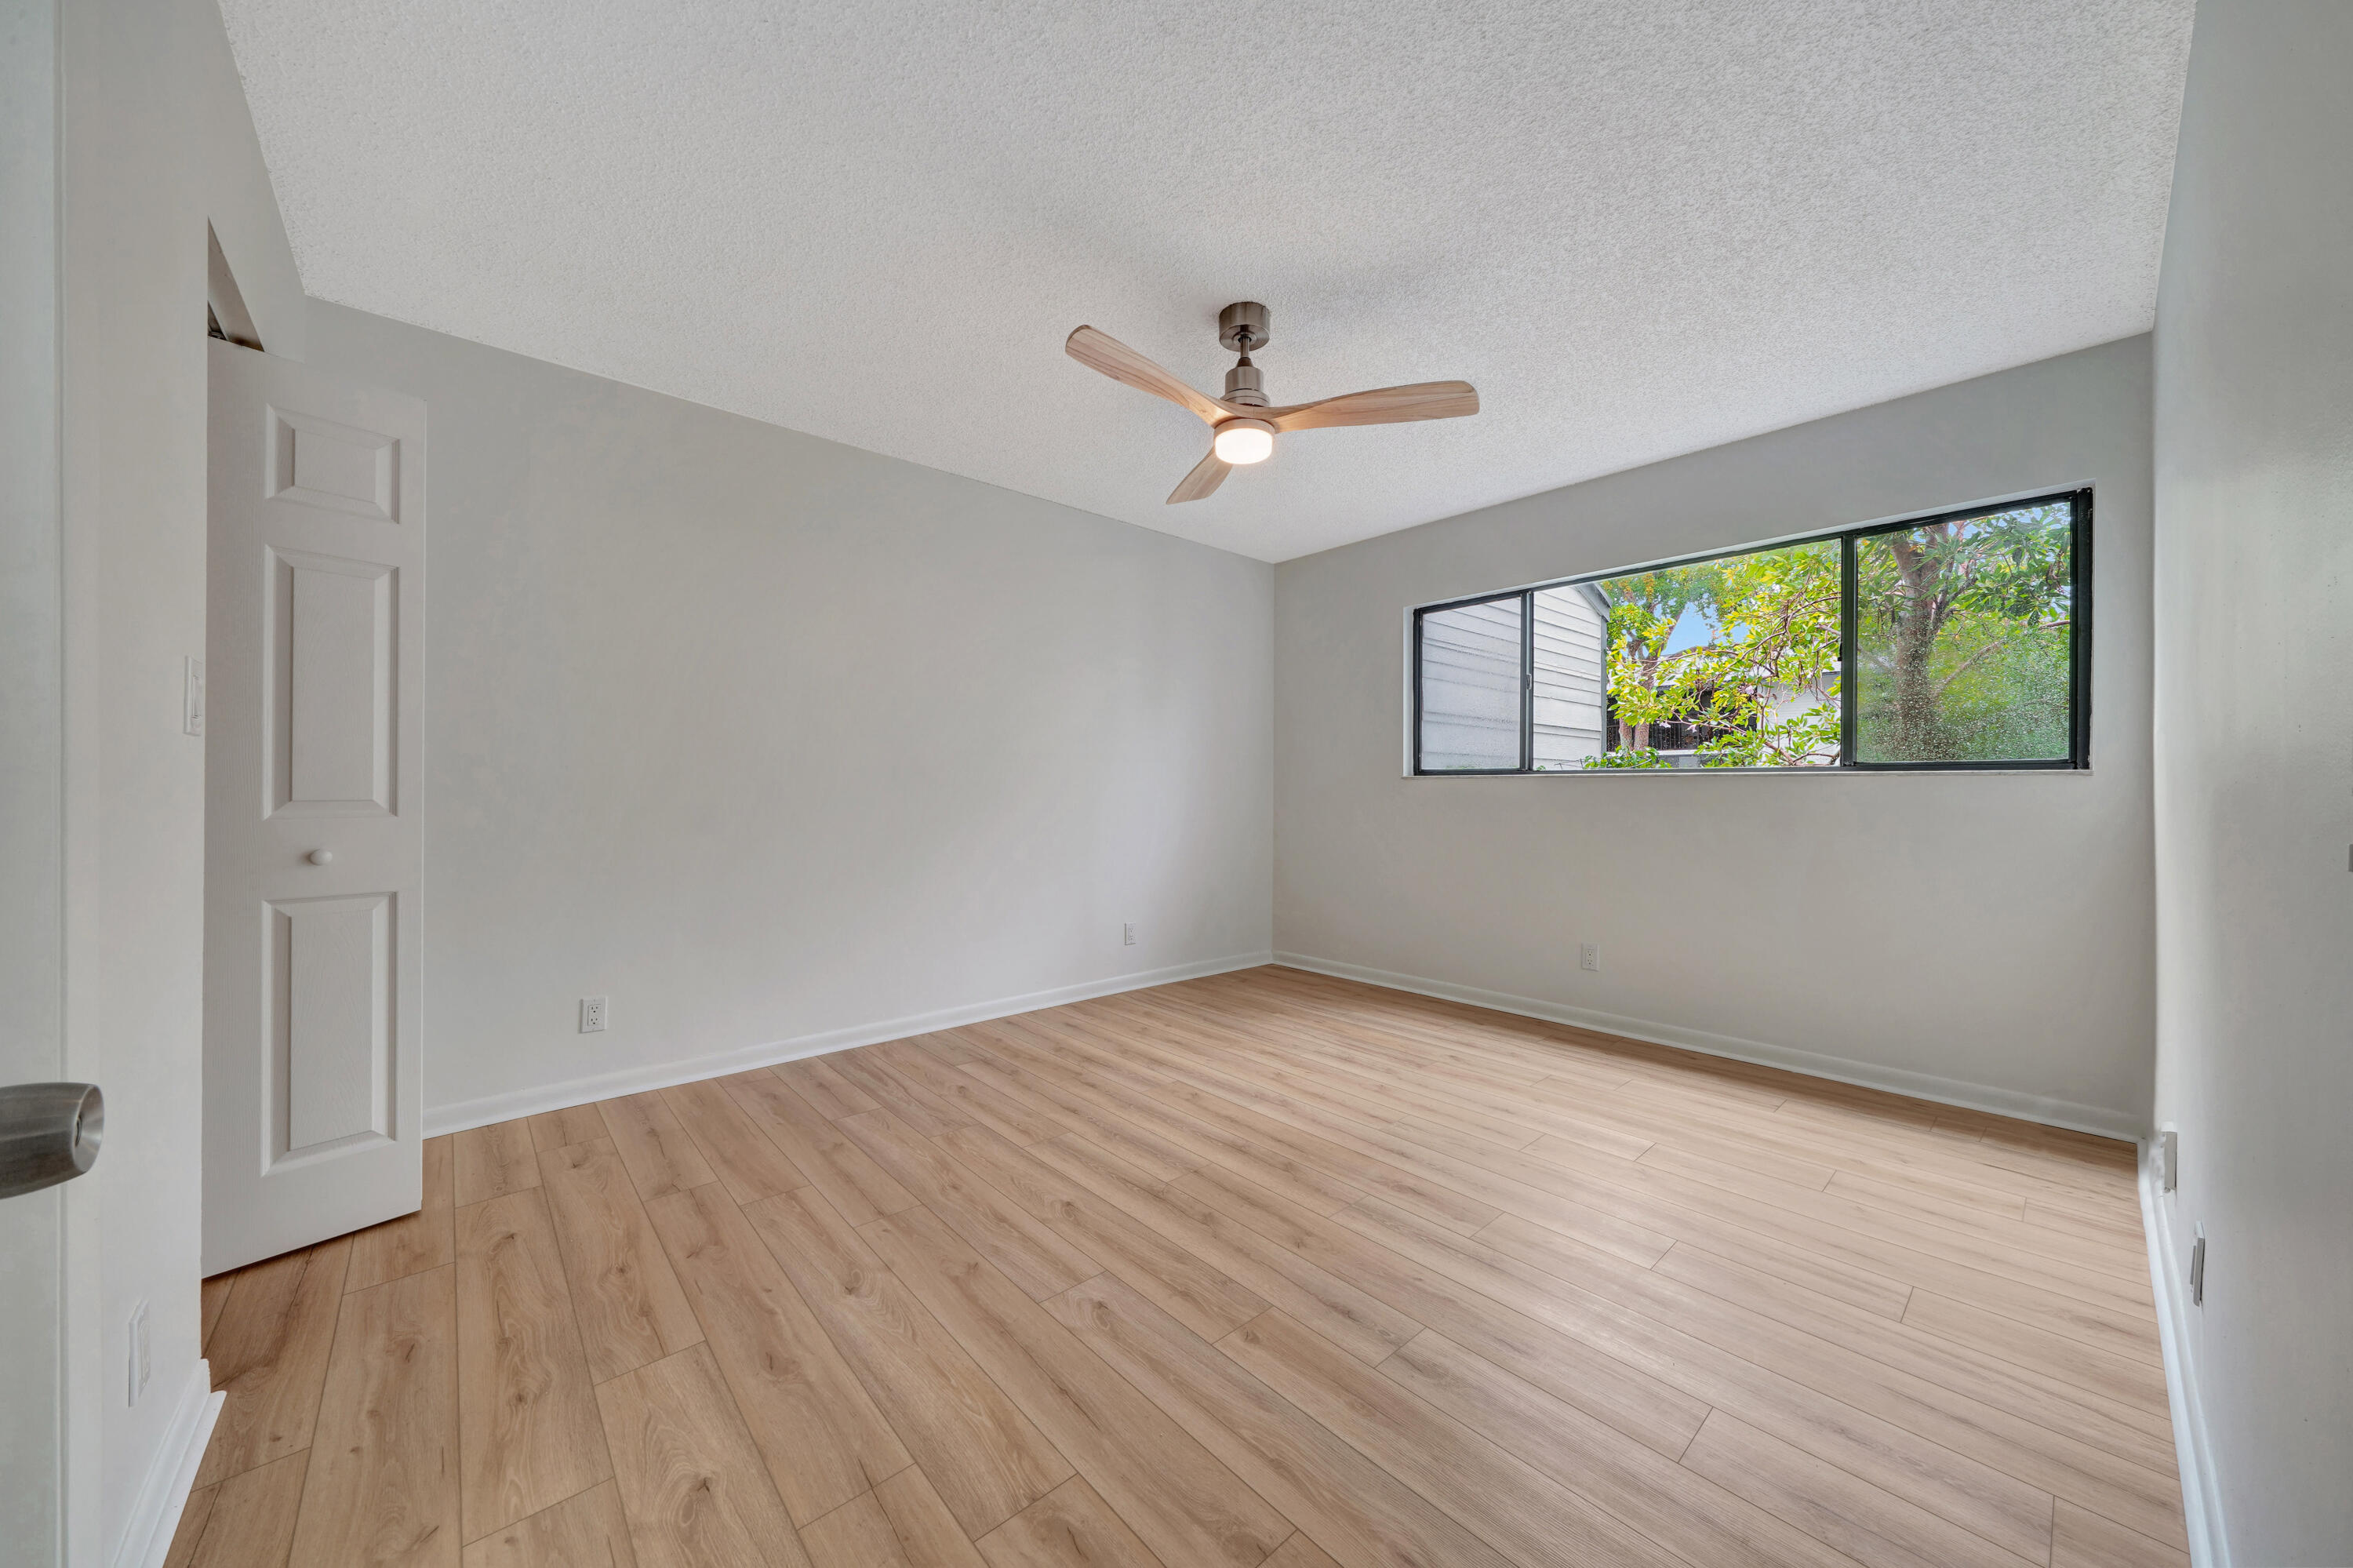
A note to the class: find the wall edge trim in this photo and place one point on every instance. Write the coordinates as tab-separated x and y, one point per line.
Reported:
2094	1119
2201	1489
460	1116
147	1534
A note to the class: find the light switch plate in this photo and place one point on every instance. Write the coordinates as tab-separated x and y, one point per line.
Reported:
192	702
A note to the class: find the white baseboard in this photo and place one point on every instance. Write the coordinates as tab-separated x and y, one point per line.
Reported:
2202	1495
2077	1117
155	1514
463	1114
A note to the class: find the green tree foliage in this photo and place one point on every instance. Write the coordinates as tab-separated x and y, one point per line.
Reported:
1962	638
1765	679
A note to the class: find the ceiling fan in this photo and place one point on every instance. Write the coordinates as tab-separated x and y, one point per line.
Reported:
1244	424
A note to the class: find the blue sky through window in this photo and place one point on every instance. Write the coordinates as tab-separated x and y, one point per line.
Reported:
1692	630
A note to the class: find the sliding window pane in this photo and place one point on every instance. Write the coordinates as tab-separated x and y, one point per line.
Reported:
1470	679
1571	699
1731	662
1964	639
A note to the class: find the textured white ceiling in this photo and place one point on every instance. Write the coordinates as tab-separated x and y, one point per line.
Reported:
1640	227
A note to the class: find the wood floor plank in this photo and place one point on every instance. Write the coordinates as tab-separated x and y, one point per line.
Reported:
1870	1525
692	1484
859	1534
2130	1430
1431	1200
820	1083
1154	1155
1356	1320
918	1107
2082	1538
494	1161
1070	1527
626	1297
1301	1552
1644	1408
928	1533
949	1046
194	1515
528	1435
413	1242
382	1484
1359	1513
835	1166
1977	1439
1672	1505
586	1530
899	1524
1527	1515
748	1162
817	1428
1186	1505
2062	1360
1098	1082
1967	1491
984	1106
1032	1256
1204	1299
988	1459
551	1130
248	1520
661	1158
269	1355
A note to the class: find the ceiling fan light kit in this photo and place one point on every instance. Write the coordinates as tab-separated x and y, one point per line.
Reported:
1240	442
1242	424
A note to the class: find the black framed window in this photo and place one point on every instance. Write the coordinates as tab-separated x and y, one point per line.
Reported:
1956	641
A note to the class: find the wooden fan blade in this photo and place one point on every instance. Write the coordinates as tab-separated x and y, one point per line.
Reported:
1387	405
1101	351
1206	475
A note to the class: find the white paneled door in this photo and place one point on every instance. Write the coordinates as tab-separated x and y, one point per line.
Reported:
314	656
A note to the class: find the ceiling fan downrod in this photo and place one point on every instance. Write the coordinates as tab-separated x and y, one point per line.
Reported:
1242	326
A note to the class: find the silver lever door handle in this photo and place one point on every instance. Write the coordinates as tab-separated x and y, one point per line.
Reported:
49	1134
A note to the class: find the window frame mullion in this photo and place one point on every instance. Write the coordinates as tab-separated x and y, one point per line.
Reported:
1527	679
1848	641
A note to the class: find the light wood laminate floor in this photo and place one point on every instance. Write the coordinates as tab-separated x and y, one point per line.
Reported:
1260	1269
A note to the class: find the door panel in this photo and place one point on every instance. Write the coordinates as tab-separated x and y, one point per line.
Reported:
314	653
316	462
333	1022
333	676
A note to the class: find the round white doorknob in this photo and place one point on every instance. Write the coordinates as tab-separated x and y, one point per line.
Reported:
321	857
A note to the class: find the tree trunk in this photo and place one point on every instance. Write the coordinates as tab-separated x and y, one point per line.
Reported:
1919	616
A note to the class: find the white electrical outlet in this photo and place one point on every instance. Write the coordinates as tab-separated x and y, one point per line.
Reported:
138	1362
1589	956
1127	934
592	1014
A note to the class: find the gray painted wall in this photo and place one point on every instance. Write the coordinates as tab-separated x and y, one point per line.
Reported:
2254	802
764	736
1984	937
